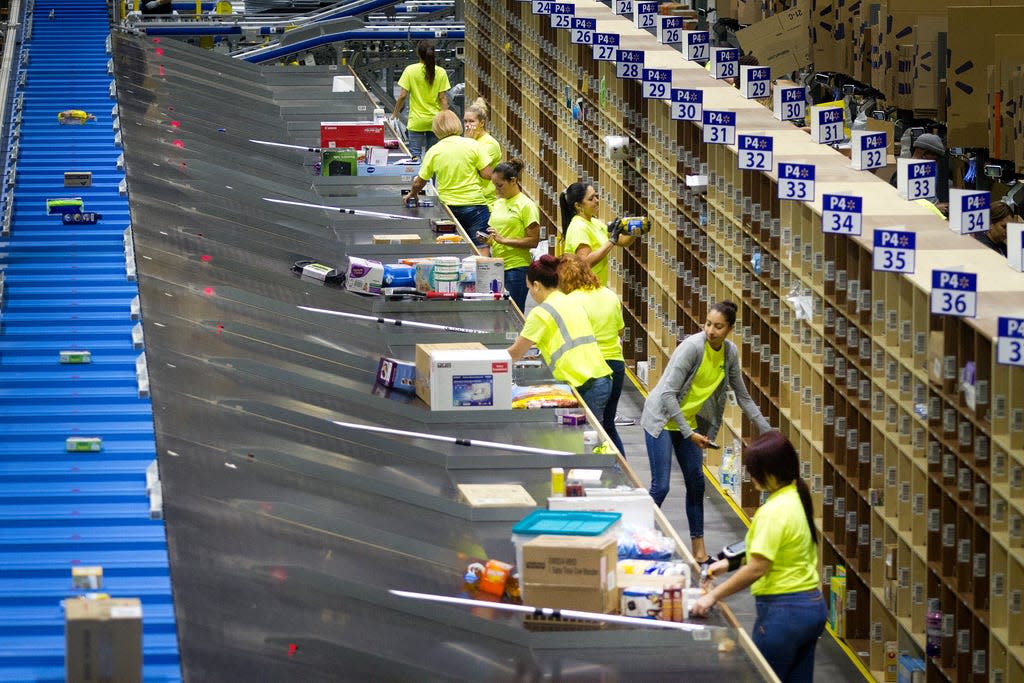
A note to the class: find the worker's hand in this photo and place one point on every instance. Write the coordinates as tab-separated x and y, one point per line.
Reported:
703	606
700	440
708	574
492	236
614	229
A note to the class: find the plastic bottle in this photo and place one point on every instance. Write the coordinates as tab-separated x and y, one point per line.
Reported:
495	577
557	481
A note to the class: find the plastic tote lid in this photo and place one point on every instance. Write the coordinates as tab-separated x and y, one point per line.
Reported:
566	523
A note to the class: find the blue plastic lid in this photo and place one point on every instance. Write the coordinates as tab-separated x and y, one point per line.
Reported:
566	523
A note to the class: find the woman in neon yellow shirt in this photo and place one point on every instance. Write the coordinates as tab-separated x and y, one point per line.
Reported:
781	563
458	165
426	86
475	122
604	310
582	233
561	330
513	229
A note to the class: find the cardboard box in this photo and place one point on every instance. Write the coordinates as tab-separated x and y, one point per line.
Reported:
780	41
463	376
837	602
396	374
577	561
490	274
103	640
568	597
87	578
364	276
402	238
353	134
403	171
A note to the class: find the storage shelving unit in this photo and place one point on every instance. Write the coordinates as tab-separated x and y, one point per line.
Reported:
918	488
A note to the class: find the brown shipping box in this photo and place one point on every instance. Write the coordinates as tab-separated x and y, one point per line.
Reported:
571	572
567	597
781	41
103	640
423	363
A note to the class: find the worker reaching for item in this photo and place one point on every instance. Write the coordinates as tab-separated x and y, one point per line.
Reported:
683	413
559	327
780	563
582	233
513	228
426	87
475	123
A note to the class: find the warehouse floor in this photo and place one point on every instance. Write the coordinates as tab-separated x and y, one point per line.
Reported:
721	527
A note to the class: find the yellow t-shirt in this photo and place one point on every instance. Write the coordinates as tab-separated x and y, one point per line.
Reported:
709	375
423	96
592	233
575	359
779	532
455	161
510	218
491	151
604	310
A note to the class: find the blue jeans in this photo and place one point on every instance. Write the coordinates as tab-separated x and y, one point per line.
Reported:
608	419
515	283
786	632
420	142
691	461
473	219
595	392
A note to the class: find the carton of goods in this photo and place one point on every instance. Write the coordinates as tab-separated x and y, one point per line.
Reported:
490	274
364	276
570	572
396	374
401	238
635	505
354	134
103	640
466	376
564	523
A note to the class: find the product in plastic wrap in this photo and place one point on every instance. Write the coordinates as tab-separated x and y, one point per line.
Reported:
543	396
645	544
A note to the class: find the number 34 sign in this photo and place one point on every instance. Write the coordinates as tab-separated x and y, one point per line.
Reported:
954	293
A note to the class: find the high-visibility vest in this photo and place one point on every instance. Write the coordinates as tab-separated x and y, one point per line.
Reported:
568	344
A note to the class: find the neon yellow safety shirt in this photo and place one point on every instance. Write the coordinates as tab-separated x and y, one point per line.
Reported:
709	375
456	161
423	96
491	151
510	218
779	533
592	233
604	310
562	332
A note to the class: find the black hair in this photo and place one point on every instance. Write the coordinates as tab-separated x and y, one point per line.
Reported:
568	200
727	309
425	51
545	271
772	456
511	169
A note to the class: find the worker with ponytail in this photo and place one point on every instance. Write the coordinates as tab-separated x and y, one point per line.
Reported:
780	563
582	232
474	121
426	86
513	228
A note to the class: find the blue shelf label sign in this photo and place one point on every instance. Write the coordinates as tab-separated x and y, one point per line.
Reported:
796	182
670	30
561	14
915	179
969	211
894	251
696	46
622	6
790	103
725	62
644	14
755	81
869	150
687	104
583	31
841	214
720	127
827	124
629	63
755	152
657	84
954	293
1010	341
605	46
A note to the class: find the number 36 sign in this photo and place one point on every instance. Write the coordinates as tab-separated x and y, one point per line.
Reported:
954	293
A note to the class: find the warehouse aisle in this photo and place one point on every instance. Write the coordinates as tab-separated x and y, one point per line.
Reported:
721	527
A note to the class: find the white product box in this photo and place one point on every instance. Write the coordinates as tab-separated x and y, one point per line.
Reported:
364	276
635	505
468	380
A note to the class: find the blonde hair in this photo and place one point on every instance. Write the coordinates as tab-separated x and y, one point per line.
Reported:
479	109
446	124
574	273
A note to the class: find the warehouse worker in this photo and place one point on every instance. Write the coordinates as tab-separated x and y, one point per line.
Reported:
683	412
582	233
426	86
458	165
514	228
780	563
929	147
604	310
475	122
559	327
995	238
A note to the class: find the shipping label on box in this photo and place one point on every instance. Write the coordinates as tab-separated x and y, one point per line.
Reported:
103	640
353	134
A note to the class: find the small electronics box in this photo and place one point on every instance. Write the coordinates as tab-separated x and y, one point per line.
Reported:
354	134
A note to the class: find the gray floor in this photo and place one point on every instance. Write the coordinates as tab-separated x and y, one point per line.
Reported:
721	527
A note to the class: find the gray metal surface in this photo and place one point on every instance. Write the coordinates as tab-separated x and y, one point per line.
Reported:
286	531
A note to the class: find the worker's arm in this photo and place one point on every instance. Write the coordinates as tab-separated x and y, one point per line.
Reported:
593	256
417	186
442	100
486	172
755	567
403	94
519	348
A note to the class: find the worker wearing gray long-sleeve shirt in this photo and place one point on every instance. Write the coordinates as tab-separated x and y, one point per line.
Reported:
684	412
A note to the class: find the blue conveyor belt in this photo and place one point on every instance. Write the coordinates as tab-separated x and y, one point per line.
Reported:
66	287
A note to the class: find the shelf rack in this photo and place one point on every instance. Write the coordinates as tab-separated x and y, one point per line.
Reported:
918	488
